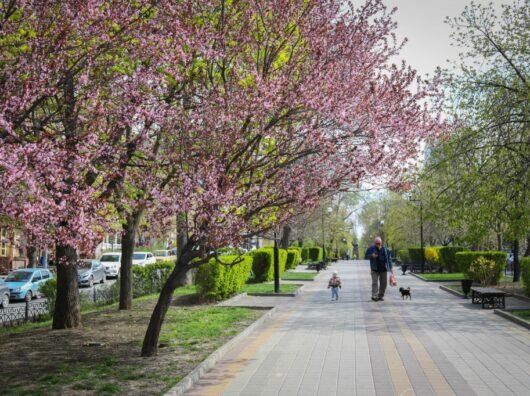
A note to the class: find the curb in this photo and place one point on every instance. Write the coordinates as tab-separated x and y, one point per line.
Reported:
433	280
192	378
451	291
512	318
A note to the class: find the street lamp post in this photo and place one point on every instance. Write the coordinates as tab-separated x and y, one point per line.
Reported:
421	234
276	264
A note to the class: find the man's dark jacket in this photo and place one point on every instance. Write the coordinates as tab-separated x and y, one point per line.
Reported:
373	260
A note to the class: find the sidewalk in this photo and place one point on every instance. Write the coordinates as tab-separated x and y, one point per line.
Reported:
435	344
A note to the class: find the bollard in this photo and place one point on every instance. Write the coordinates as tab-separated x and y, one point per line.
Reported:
95	297
26	315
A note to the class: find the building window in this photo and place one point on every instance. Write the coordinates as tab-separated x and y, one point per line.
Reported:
3	242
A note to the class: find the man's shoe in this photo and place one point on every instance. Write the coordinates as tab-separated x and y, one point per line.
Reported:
375	299
381	299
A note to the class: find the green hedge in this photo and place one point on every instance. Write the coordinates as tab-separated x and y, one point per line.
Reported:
263	264
464	260
525	274
294	257
448	257
403	255
415	255
312	254
150	278
220	280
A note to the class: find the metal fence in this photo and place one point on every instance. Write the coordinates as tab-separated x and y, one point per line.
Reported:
31	311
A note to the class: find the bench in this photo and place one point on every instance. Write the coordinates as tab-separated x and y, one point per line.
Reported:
316	265
489	297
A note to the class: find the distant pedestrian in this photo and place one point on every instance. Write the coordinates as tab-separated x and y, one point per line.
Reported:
335	284
348	255
380	265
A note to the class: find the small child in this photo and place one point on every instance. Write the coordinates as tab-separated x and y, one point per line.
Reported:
335	284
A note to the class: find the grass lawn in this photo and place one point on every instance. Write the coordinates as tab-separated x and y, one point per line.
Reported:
444	277
269	288
291	275
103	356
524	314
457	288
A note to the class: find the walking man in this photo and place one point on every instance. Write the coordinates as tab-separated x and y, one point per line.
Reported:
380	264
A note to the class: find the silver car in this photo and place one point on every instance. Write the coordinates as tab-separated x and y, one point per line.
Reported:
90	271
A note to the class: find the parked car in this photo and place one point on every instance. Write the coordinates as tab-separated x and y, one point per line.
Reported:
4	294
165	255
24	283
90	271
143	258
112	264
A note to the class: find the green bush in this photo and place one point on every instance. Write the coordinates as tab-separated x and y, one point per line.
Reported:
294	257
263	264
222	278
525	274
484	270
230	251
415	255
49	290
403	255
448	257
149	279
465	259
312	254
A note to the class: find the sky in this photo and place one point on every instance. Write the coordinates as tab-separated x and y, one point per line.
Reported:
422	22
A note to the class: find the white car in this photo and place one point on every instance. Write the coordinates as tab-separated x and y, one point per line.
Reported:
112	263
165	255
143	258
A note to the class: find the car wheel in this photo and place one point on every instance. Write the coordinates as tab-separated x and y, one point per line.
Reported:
29	296
5	301
91	281
103	279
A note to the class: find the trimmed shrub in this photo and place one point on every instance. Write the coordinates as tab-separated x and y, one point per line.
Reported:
415	255
403	255
263	264
222	278
448	257
483	270
525	274
49	290
465	259
312	254
294	257
149	279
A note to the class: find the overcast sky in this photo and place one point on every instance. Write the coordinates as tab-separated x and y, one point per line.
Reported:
422	22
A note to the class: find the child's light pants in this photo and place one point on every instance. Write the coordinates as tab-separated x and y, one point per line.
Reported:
335	293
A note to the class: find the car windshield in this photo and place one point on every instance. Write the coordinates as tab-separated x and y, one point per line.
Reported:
20	276
113	258
85	264
161	253
139	256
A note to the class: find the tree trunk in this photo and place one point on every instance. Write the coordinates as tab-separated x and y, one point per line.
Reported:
67	313
516	267
286	235
499	242
150	343
31	252
127	250
185	278
527	251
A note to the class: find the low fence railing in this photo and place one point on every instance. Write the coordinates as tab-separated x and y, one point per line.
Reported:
31	311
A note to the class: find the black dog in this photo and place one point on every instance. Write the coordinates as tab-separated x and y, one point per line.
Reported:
405	293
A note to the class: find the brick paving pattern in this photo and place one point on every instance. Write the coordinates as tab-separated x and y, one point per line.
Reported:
436	344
